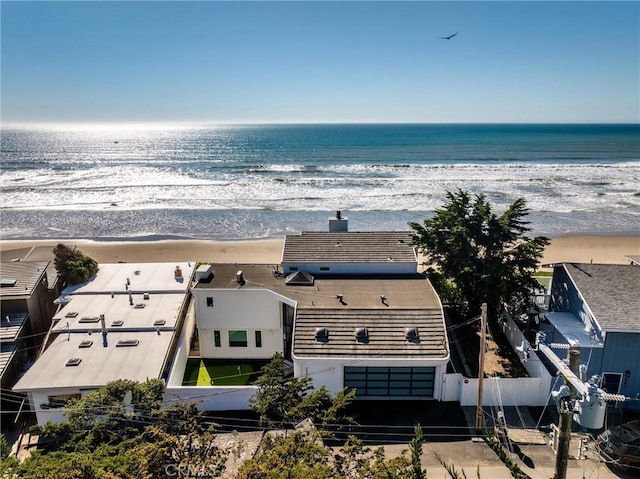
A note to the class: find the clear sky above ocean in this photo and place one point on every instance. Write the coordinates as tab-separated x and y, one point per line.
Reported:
287	62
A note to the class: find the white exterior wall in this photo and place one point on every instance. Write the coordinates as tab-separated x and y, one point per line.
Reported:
37	398
239	310
389	267
176	374
330	372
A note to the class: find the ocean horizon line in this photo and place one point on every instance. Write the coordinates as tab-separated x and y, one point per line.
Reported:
205	123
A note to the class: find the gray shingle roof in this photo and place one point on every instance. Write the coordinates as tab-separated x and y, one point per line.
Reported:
387	338
612	292
349	247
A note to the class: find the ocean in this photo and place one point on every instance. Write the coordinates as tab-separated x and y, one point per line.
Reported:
256	181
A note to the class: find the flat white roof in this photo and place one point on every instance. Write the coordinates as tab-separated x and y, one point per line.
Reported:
82	313
142	277
98	365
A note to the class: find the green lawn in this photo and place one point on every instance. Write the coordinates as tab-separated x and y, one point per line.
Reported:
222	372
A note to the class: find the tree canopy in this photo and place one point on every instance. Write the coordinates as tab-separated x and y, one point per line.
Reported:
475	256
281	397
73	266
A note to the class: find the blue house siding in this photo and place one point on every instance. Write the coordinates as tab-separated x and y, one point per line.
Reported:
621	355
621	348
566	298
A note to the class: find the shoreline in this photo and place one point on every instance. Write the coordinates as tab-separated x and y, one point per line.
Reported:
612	248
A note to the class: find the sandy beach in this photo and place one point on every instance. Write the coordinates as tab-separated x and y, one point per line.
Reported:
610	249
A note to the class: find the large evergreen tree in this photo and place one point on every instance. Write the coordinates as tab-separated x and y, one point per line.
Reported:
73	266
475	256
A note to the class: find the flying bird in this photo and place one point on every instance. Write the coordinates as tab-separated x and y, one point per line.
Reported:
449	37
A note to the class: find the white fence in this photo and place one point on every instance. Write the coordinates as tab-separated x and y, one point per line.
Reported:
497	391
529	391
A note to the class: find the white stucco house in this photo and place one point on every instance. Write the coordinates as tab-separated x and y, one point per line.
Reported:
348	309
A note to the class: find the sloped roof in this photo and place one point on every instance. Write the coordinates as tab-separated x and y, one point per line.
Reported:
611	291
27	275
386	328
349	247
11	325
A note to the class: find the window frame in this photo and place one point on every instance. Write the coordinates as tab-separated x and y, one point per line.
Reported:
236	343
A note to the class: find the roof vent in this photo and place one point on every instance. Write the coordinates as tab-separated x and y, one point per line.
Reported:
8	282
87	319
145	296
73	361
117	322
159	322
362	335
71	314
86	343
322	335
300	278
412	335
123	343
139	306
204	272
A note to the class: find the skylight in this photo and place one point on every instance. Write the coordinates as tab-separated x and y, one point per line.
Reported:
86	319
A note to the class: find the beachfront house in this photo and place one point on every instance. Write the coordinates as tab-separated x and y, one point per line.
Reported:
122	324
348	309
594	307
26	310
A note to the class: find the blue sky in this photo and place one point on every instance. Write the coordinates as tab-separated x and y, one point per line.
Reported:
284	62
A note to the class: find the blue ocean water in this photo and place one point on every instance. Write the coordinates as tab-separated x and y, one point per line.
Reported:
251	181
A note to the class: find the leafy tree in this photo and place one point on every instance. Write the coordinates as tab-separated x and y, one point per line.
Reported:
480	257
299	455
73	266
292	456
416	471
282	397
180	441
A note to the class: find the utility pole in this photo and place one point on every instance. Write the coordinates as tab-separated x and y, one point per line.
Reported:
483	329
566	420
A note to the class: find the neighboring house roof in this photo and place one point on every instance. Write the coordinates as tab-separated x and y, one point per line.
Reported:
27	275
349	247
99	365
142	277
611	291
6	354
82	313
10	328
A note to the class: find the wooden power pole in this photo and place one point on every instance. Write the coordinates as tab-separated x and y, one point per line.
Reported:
483	329
566	420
